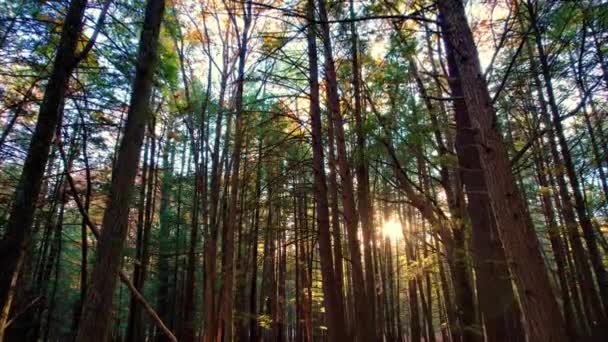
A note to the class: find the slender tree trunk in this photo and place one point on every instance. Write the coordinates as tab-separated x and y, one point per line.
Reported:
164	232
366	211
335	314
597	157
429	295
416	333
253	310
336	230
134	320
281	297
189	326
364	328
580	206
305	301
227	298
589	294
212	236
556	245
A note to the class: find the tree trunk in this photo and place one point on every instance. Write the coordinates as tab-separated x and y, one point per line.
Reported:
336	230
335	314
589	294
501	315
135	327
366	212
416	333
580	206
18	232
364	327
212	235
164	249
544	320
98	303
227	298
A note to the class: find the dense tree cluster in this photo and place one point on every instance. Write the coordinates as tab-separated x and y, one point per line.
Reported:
303	170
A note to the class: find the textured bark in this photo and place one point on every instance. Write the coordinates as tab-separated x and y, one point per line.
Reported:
98	304
544	320
501	315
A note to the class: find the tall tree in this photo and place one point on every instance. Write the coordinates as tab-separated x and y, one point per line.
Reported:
18	233
335	313
364	331
514	223
98	304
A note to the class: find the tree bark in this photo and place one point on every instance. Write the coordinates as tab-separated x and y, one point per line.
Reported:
516	230
501	315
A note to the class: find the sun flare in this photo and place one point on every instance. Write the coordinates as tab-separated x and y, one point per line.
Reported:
392	229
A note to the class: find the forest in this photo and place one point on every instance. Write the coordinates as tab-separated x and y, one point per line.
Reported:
303	170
